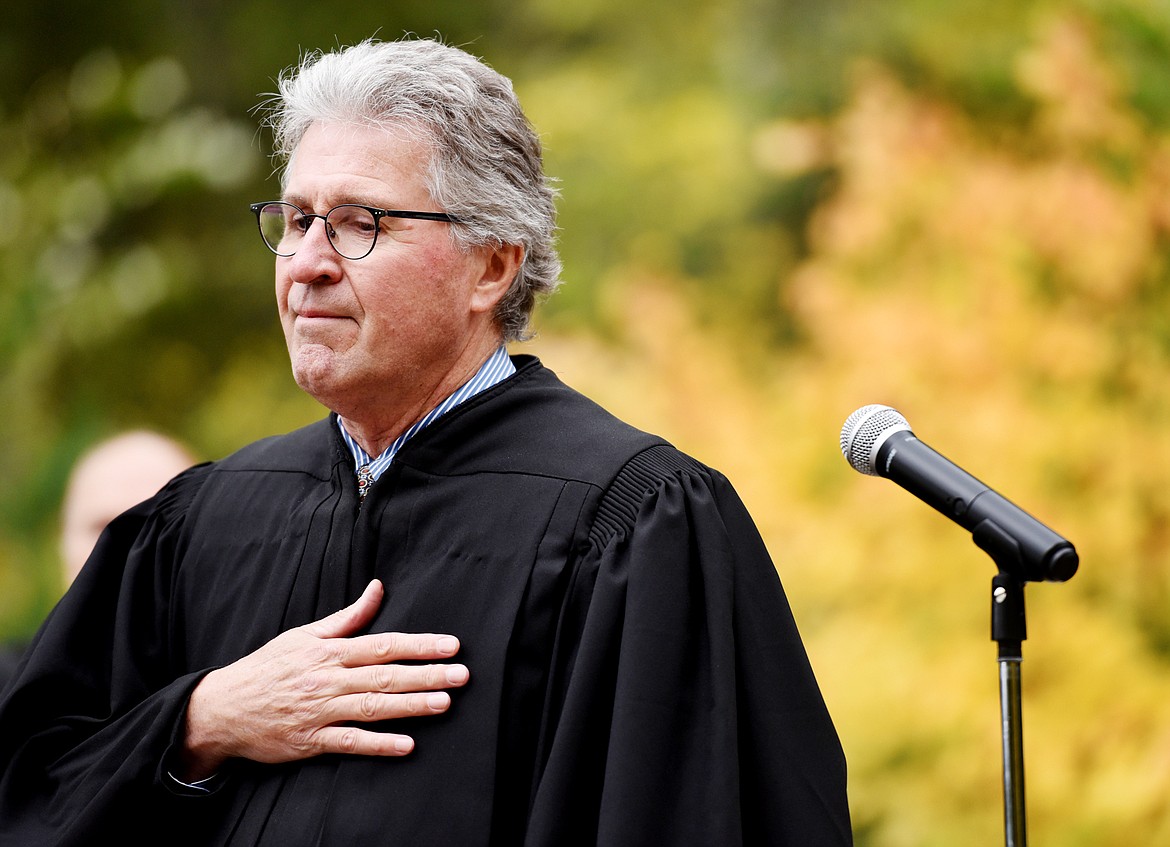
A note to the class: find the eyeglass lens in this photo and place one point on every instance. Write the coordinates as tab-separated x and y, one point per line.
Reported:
351	229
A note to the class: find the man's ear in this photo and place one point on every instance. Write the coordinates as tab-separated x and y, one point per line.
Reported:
500	268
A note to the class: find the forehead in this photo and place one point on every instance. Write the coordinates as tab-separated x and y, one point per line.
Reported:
347	162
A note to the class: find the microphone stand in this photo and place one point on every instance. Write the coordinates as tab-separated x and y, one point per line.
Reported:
1022	547
1009	629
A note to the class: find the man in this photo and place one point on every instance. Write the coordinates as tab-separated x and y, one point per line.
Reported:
566	631
108	479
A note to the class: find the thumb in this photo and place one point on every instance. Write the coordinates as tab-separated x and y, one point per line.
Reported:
348	621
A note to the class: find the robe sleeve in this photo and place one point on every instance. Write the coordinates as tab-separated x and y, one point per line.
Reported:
96	703
683	706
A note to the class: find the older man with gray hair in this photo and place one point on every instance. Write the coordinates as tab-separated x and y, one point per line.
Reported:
565	632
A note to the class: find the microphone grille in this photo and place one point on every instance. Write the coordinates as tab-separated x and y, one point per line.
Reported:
864	430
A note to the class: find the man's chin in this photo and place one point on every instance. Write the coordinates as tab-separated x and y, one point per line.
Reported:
319	374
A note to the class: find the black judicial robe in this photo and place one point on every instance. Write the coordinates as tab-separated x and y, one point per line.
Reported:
636	674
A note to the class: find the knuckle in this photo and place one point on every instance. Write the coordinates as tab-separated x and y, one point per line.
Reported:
306	717
414	704
385	646
312	682
303	711
301	739
368	705
347	741
333	651
385	677
315	655
395	645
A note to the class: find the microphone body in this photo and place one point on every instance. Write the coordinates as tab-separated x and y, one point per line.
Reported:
878	441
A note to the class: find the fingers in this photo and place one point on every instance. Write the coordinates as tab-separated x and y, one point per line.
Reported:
380	647
398	679
362	742
310	689
383	647
342	736
356	710
266	715
370	706
352	618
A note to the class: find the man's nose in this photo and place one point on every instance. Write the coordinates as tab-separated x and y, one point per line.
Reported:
316	233
316	261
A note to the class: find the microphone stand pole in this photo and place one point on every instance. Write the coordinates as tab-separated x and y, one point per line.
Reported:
1009	629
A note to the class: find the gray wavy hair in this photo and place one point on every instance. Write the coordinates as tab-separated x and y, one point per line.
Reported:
485	165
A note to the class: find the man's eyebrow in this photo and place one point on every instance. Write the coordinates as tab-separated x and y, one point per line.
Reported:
339	199
303	200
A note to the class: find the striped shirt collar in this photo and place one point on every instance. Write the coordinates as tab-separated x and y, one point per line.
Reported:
497	368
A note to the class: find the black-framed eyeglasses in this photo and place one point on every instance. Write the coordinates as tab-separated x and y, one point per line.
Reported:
352	229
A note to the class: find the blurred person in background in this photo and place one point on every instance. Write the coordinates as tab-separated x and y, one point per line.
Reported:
468	607
106	480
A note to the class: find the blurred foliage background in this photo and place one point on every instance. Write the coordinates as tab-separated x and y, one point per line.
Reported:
772	213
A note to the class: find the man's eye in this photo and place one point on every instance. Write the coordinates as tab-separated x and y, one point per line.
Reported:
354	221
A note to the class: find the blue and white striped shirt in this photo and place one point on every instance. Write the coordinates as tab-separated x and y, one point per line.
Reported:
497	368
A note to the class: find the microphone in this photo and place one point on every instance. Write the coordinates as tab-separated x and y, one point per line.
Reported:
877	440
